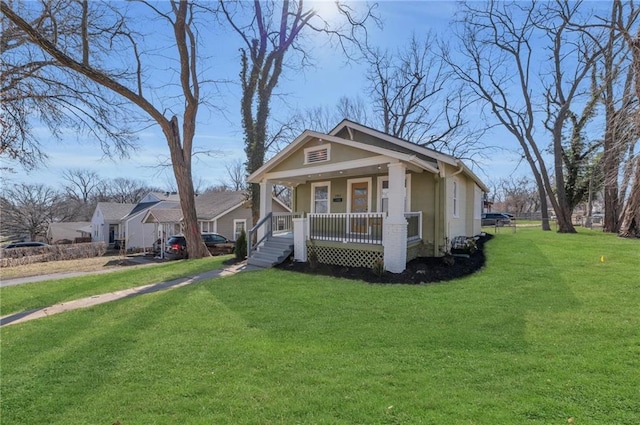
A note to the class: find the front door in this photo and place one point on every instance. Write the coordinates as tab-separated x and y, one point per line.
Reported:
359	204
112	232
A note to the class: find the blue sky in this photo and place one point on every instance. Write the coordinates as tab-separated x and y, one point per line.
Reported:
322	85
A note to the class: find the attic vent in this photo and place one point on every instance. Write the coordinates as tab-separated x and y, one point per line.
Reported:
317	154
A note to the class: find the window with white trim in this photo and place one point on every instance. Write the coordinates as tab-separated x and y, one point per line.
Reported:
238	226
317	154
320	197
455	198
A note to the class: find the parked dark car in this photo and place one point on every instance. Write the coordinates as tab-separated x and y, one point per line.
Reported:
24	245
495	219
216	244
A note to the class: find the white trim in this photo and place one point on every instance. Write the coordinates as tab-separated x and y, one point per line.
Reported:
322	147
313	198
329	168
350	125
223	213
263	173
238	220
455	198
282	204
350	183
375	133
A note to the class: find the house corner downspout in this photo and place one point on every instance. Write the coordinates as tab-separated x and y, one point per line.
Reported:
460	168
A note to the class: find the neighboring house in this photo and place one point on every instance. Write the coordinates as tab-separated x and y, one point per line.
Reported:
226	213
68	231
112	222
360	195
161	196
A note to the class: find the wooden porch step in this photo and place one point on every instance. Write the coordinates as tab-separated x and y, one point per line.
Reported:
273	251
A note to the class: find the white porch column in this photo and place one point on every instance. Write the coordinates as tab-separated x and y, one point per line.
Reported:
266	189
395	224
300	239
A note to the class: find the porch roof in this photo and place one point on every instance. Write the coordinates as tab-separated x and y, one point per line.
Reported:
370	164
391	149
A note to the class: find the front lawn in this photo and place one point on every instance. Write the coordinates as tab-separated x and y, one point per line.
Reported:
42	294
545	333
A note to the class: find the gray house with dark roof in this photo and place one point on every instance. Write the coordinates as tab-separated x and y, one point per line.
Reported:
226	213
113	221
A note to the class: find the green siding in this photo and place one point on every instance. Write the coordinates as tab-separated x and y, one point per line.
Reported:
339	153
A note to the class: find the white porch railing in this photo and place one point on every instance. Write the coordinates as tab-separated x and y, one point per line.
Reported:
349	227
358	227
272	224
283	222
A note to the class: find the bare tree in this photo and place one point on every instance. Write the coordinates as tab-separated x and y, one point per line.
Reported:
574	49
272	32
36	91
630	226
27	209
496	42
106	29
325	118
236	174
414	98
520	195
620	107
126	191
81	184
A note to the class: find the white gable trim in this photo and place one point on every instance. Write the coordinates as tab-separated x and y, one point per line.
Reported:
380	135
223	213
329	168
263	171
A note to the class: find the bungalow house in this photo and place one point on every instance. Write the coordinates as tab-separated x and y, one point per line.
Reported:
225	213
360	195
112	222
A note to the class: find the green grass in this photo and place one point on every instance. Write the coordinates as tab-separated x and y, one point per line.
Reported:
546	332
42	294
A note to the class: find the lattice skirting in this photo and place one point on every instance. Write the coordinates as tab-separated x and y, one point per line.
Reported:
345	257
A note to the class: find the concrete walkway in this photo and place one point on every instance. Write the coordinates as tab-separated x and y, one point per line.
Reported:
25	316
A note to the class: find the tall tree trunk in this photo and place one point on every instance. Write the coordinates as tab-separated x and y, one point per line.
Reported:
181	162
631	217
630	227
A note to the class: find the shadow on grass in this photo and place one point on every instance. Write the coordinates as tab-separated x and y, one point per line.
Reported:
69	358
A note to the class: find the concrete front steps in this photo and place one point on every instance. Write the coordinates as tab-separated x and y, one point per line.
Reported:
274	251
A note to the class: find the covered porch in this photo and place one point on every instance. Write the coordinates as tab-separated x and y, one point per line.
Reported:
348	239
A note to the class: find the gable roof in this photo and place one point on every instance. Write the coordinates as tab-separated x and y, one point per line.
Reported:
141	207
211	205
163	215
115	210
163	196
411	153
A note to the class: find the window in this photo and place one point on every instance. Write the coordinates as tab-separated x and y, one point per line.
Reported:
207	227
455	198
317	154
238	227
320	197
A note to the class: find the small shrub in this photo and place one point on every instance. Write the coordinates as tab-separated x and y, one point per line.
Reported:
463	245
241	246
378	267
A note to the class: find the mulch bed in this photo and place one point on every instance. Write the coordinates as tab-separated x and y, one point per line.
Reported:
419	270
